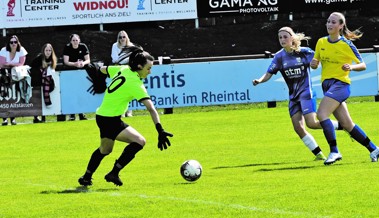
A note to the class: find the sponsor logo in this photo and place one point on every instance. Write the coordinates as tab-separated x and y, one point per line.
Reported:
140	5
11	4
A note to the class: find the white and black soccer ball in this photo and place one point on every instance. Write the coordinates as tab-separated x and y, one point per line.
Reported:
191	170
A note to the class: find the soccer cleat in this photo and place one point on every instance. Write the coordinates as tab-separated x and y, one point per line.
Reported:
374	155
5	122
320	156
110	177
72	117
84	181
82	117
333	157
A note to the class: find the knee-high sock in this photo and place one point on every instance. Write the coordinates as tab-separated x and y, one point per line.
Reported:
360	136
337	125
127	155
330	134
94	162
311	143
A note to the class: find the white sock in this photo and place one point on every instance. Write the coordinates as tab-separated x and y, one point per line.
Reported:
335	124
310	142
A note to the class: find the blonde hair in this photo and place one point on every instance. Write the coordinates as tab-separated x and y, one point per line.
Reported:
296	37
351	35
53	63
128	42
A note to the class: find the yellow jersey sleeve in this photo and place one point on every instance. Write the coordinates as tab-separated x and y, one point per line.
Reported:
333	55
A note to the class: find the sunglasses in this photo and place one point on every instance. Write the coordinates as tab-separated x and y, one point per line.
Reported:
122	37
13	42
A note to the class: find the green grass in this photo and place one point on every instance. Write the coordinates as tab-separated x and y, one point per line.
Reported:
254	165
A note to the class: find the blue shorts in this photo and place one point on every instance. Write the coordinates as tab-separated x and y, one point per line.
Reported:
305	106
110	127
336	89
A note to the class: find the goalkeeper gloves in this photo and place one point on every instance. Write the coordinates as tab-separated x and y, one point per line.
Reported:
163	141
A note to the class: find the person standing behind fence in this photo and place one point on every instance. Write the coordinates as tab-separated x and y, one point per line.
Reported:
119	57
338	57
76	55
293	63
12	55
41	64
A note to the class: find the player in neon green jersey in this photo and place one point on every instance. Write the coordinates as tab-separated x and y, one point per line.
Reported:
126	85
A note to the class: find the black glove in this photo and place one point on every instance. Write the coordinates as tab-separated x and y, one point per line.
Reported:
162	137
91	89
97	78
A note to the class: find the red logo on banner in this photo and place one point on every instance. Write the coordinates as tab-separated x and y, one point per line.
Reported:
11	5
81	6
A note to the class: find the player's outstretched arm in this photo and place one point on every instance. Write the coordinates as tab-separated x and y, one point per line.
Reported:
163	141
263	79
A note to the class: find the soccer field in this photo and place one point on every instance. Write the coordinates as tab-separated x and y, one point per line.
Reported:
254	165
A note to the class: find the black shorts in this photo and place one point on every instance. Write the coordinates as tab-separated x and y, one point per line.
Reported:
110	127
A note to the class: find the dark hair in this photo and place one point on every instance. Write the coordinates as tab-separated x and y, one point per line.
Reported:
123	56
8	47
139	57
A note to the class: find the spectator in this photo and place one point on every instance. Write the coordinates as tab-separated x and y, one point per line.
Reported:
119	57
339	57
40	67
76	54
12	55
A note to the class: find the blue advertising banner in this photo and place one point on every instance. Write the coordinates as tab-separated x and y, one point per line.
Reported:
230	82
208	83
75	93
182	85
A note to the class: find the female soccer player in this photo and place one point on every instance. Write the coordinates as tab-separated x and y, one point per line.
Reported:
338	56
126	85
293	63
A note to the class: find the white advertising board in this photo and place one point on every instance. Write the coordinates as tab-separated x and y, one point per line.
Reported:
36	13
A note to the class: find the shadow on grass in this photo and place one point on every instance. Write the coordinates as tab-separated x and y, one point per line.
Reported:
185	183
287	168
77	190
253	165
302	167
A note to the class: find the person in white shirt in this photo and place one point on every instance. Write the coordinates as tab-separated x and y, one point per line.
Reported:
123	41
12	55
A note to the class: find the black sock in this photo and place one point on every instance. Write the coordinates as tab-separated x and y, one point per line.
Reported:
316	150
127	155
94	162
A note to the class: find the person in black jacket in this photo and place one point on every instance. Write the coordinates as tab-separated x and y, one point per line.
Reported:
41	65
76	55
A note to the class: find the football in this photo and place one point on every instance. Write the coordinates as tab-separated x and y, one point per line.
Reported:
191	170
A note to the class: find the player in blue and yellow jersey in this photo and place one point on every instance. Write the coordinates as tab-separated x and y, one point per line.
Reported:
338	57
126	85
292	61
